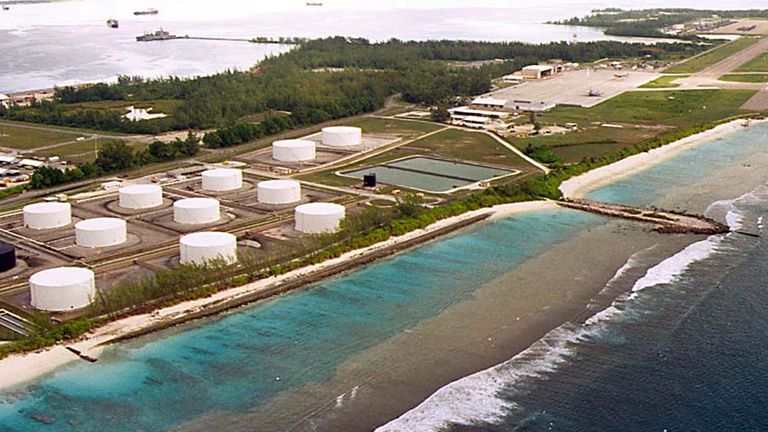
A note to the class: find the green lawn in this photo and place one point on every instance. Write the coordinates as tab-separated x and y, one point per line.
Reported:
469	146
747	78
664	82
61	129
408	129
83	151
757	64
591	140
22	138
449	144
697	63
679	108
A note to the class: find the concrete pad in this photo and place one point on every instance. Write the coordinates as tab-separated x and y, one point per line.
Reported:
573	87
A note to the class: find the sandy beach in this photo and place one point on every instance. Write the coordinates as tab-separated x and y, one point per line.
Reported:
21	368
580	186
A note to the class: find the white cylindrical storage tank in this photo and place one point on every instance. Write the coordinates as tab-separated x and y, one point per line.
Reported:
279	191
223	179
342	136
195	211
62	289
203	247
293	150
318	217
101	232
141	196
47	215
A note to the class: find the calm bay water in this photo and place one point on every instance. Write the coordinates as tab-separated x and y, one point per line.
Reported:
68	42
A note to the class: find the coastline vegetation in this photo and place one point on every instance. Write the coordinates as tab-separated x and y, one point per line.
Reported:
321	80
371	72
649	22
361	229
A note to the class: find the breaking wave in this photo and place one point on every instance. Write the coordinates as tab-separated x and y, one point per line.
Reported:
475	398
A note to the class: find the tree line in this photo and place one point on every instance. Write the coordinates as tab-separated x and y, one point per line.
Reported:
116	156
320	80
649	22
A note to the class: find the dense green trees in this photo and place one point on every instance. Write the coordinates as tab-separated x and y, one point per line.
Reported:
114	157
321	80
648	22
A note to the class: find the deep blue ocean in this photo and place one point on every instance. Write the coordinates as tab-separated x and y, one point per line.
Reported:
685	351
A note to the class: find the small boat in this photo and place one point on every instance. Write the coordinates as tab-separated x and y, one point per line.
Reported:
6	7
149	11
112	23
314	4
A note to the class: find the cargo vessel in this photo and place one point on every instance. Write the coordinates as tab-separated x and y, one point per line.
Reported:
149	11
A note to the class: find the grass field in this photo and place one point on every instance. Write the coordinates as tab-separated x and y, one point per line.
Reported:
591	140
405	128
84	151
747	78
449	144
697	63
757	64
643	115
22	138
679	108
663	82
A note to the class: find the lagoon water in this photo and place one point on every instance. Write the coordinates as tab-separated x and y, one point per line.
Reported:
68	42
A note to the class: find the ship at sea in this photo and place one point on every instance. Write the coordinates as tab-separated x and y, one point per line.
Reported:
113	23
149	11
156	36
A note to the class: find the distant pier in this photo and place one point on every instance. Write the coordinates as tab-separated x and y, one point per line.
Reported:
666	221
256	40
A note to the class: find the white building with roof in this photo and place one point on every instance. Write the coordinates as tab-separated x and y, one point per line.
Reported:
467	111
488	102
5	100
537	71
31	163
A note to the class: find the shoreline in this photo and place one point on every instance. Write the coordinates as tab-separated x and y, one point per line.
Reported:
580	186
18	369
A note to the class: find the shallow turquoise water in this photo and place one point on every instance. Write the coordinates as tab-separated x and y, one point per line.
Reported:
685	169
233	363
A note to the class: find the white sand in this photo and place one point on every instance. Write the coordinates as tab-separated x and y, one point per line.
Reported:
20	368
578	187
